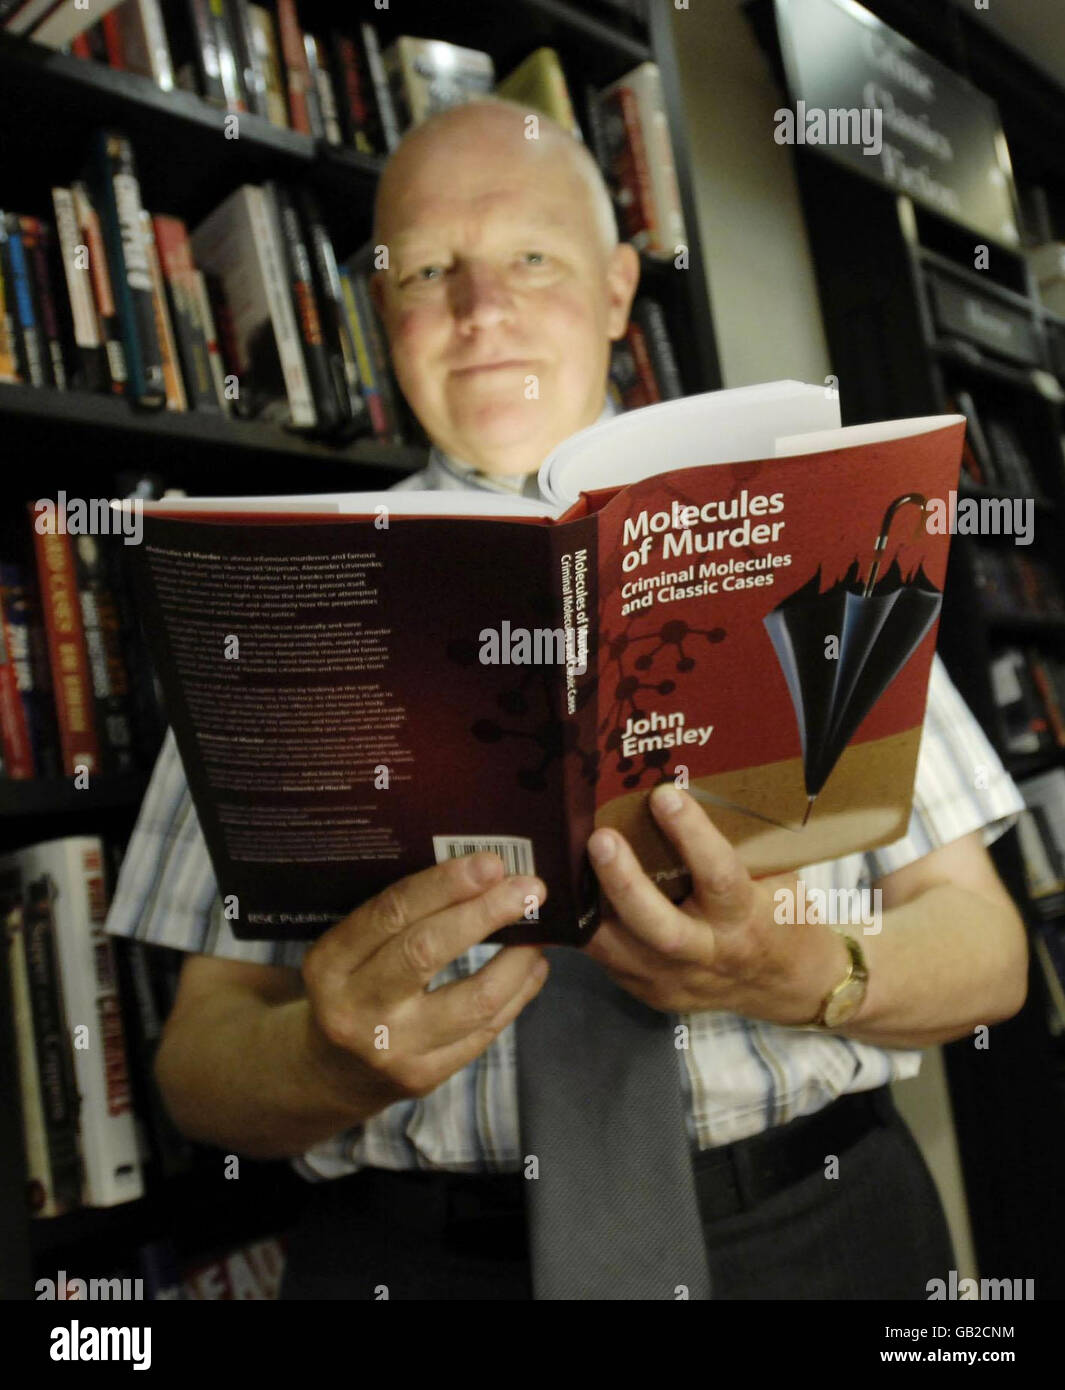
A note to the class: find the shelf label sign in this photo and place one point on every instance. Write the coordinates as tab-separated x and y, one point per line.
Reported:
938	139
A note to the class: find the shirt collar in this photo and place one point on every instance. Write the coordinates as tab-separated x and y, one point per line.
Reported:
443	466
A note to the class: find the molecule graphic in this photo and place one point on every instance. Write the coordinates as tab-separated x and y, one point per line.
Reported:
670	635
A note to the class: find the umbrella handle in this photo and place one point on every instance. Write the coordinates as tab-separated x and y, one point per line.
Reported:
885	527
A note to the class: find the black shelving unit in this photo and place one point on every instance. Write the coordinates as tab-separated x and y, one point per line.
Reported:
879	258
49	103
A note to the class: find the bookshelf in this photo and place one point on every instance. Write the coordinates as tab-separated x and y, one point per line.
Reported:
887	269
79	442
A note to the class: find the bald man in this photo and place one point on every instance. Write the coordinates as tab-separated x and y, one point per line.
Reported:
503	266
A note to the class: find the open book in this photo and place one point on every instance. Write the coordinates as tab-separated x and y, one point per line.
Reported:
729	591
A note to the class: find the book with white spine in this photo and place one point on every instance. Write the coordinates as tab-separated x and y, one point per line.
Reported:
71	872
239	243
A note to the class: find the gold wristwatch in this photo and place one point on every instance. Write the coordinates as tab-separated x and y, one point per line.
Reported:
843	1002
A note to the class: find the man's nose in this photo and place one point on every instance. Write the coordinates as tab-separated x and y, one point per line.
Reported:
480	297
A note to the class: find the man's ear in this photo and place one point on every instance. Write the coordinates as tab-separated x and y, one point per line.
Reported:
622	277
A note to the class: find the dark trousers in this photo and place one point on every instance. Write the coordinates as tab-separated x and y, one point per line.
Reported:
877	1230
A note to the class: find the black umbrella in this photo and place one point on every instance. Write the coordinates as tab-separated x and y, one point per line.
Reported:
877	627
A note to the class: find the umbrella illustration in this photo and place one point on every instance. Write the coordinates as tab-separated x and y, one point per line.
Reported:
877	625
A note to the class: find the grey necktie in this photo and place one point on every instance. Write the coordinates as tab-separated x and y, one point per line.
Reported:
613	1212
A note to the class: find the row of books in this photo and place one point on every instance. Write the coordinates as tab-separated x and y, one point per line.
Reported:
157	1272
342	87
1013	585
1028	686
995	455
250	314
88	1015
78	697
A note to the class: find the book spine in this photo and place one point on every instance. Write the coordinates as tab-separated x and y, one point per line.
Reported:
371	395
88	343
28	332
14	670
314	101
264	38
15	618
250	70
339	346
212	336
114	39
304	303
202	48
35	239
110	679
52	1039
574	558
9	357
271	260
100	276
87	970
665	191
297	78
323	87
145	42
627	166
120	202
171	240
44	722
379	354
67	654
649	315
228	64
386	109
170	1149
164	328
354	106
40	1191
145	715
642	358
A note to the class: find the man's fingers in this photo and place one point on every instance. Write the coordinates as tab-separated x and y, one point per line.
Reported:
721	884
496	992
637	903
406	962
355	939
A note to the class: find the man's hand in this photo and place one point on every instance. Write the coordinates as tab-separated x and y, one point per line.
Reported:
720	948
950	953
366	980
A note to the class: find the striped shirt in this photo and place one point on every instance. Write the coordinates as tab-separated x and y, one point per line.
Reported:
743	1075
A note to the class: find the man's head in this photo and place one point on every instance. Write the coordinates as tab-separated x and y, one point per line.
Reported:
501	249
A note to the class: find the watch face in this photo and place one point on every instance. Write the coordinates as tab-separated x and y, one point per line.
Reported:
846	1003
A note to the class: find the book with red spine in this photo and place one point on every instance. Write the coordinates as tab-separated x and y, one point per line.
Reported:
627	172
67	652
297	69
15	737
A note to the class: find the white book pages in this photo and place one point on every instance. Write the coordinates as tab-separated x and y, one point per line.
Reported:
713	427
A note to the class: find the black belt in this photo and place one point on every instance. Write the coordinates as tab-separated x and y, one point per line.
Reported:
736	1177
484	1213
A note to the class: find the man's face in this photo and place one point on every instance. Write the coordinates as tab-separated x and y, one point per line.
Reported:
499	299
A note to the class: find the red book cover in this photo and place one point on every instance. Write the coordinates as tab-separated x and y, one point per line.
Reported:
362	685
67	652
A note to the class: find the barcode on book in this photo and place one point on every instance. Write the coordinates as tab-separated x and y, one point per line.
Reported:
515	851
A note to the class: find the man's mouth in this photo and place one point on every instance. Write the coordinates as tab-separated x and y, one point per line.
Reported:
503	364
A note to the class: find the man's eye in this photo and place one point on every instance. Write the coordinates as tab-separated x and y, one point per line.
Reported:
534	258
425	274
